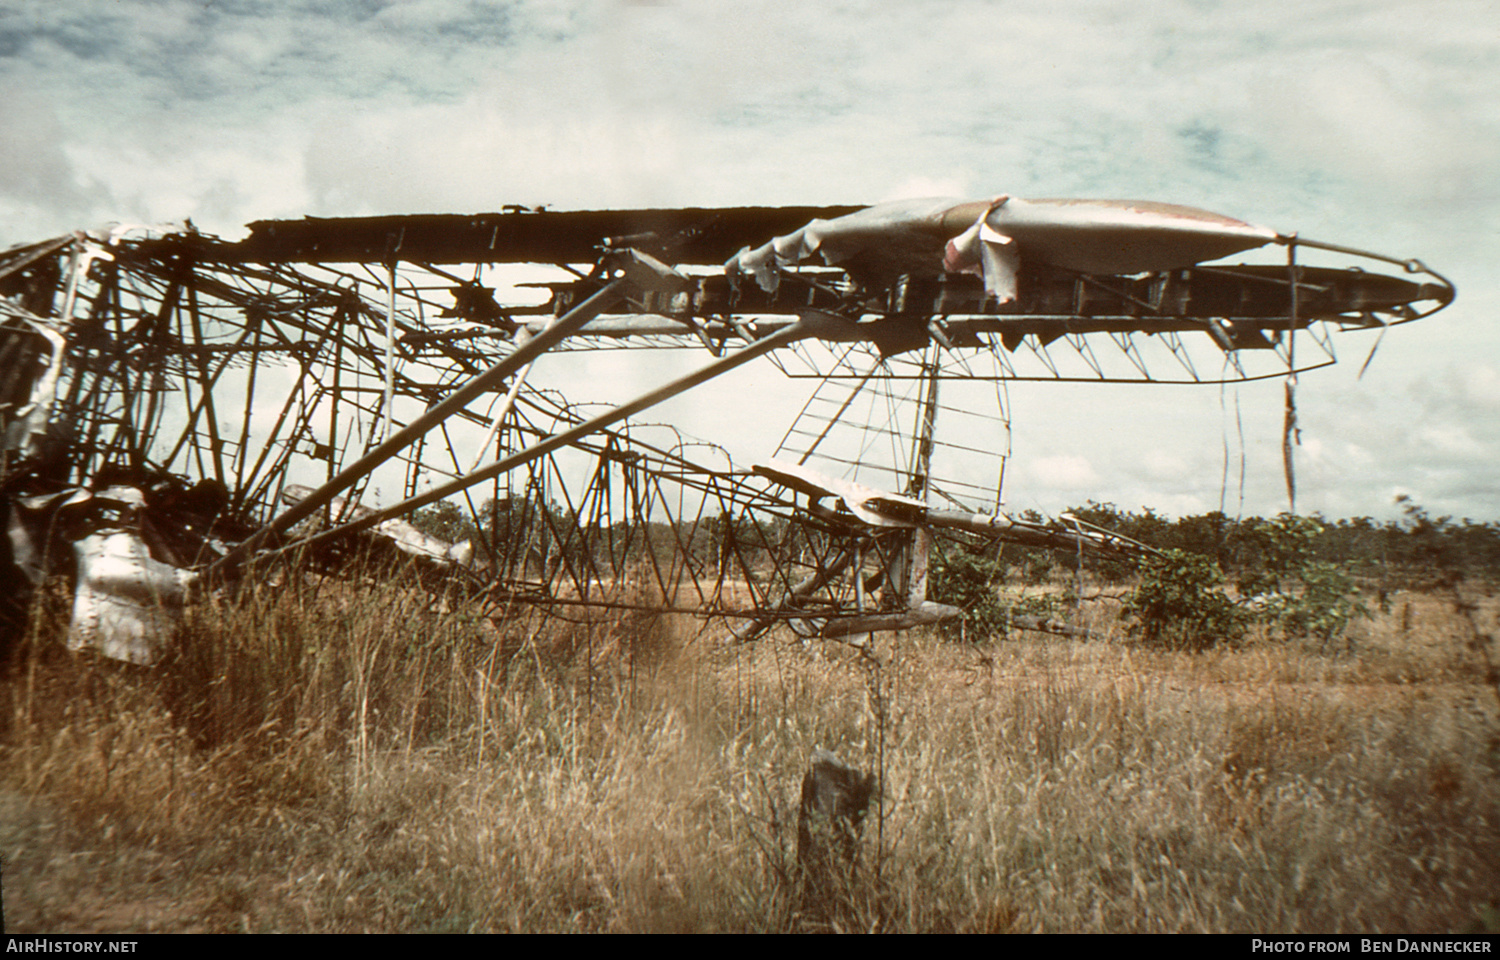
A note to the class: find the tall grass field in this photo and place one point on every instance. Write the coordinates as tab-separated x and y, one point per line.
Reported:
316	758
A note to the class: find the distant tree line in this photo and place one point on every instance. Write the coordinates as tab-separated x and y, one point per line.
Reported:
1415	545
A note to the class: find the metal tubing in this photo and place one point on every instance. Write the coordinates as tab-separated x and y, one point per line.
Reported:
810	326
563	327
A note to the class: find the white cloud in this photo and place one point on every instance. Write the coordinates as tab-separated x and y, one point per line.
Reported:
1070	472
1375	124
38	176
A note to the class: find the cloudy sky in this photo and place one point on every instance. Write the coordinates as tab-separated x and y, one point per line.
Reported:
1374	124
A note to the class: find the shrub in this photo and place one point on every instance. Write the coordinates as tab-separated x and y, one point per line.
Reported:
967	580
1181	605
1305	597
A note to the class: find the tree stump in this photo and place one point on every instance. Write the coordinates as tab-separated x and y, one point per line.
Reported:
835	798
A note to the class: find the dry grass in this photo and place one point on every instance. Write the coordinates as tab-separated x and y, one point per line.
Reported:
320	759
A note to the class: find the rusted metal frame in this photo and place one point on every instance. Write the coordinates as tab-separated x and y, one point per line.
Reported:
565	603
1035	324
1058	378
514	548
756	510
234	351
106	293
420	338
843	407
1180	353
1094	281
1126	344
925	615
208	284
616	561
643	484
579	577
207	382
415	291
497	420
276	277
144	432
91	413
684	562
413	473
959	357
1039	350
249	490
1233	359
1268	279
923	437
73	406
383	425
1290	430
250	331
790	607
871	433
457	469
814	324
1074	341
632	477
194	411
892	552
468	361
857	577
1085	351
641	507
595	488
17	260
355	336
95	376
272	317
79	259
307	354
1410	265
341	316
535	517
611	452
534	500
456	401
1001	356
746	568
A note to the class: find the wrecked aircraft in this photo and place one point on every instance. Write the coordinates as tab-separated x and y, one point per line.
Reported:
175	408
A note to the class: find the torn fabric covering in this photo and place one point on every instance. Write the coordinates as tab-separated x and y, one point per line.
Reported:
904	232
992	237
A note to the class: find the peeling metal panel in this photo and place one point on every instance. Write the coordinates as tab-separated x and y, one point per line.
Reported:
401	534
993	238
126	604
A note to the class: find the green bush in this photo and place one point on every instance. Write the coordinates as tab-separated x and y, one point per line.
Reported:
1303	596
1181	605
968	580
